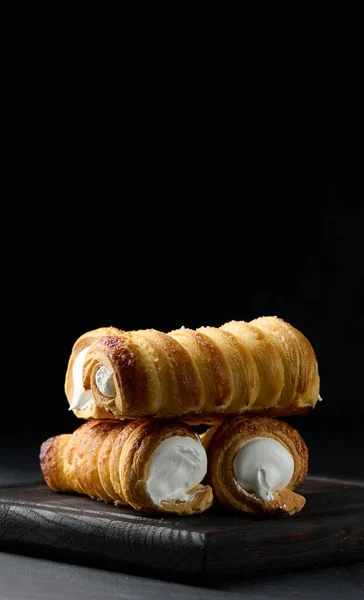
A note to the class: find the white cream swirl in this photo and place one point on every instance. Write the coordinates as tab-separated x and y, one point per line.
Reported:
105	382
177	465
263	466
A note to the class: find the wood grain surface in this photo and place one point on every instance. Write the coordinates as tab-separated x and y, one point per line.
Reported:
329	530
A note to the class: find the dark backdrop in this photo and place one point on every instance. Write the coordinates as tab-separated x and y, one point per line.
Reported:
170	168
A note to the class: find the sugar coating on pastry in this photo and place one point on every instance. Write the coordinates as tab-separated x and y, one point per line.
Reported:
263	466
81	398
105	382
177	465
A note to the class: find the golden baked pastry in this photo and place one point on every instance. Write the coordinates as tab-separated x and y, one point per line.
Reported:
265	366
77	390
255	463
153	465
301	380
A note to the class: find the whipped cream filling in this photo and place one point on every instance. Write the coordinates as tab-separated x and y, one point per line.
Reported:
81	398
105	382
263	466
176	466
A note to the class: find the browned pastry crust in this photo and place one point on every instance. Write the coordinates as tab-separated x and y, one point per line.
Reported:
301	379
52	461
222	444
85	340
153	375
264	367
267	360
109	460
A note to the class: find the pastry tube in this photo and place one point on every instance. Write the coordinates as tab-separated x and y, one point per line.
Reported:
77	388
254	465
152	465
265	367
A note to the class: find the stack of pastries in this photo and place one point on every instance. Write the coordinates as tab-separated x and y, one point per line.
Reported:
175	422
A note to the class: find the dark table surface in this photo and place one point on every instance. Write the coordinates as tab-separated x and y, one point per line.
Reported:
335	452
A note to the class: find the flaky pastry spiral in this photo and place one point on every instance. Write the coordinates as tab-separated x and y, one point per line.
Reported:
111	461
265	366
279	443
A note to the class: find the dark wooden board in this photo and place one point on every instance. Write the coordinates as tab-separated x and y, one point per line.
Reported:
215	545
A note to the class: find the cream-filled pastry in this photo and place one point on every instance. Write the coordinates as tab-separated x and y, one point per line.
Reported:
201	375
153	465
255	463
77	384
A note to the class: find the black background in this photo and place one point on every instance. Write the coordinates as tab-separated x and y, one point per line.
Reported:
169	168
